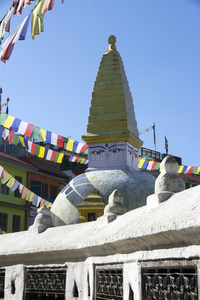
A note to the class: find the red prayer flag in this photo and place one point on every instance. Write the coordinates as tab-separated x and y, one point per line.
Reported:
53	156
190	170
60	141
83	148
153	166
33	148
11	137
29	130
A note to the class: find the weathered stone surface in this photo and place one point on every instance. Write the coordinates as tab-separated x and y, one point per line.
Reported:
42	221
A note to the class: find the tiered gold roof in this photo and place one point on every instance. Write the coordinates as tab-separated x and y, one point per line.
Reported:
112	117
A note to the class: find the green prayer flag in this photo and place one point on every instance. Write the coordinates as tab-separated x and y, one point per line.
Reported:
15	139
38	150
28	194
56	157
3	118
157	167
35	132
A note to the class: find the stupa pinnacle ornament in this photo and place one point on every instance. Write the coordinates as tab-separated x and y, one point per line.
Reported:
112	133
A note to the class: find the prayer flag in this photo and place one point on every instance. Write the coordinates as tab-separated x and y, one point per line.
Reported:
6	133
49	154
180	169
22	127
15	139
43	135
24	192
11	137
28	194
60	141
37	25
33	149
8	122
21	187
5	177
29	130
48	137
37	149
18	34
38	201
54	139
141	163
157	166
56	157
48	5
15	186
69	146
41	152
75	146
60	158
15	124
26	142
150	165
145	164
1	170
3	118
11	182
53	155
83	148
45	152
31	197
35	200
1	132
22	140
35	132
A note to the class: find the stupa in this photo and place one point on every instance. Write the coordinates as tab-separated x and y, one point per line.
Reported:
113	142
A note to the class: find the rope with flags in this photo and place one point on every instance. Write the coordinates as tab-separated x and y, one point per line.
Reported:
37	19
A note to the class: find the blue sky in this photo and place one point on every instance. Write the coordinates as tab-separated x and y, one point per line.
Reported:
50	79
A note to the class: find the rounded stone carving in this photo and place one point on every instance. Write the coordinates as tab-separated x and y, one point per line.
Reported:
169	180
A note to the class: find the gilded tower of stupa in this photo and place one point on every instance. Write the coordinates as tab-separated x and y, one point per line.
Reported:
112	133
113	141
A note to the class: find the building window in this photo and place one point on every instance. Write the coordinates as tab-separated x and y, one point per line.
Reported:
4	189
16	192
45	190
53	192
16	223
3	221
91	217
36	187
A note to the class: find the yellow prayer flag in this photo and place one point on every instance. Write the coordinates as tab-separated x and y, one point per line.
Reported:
198	170
180	169
41	152
60	158
22	140
11	182
43	134
9	121
37	25
70	144
141	163
82	160
31	197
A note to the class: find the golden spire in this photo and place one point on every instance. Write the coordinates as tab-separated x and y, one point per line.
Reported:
112	117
